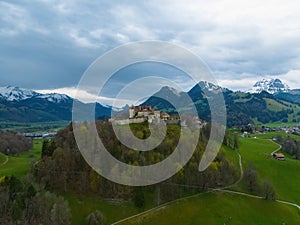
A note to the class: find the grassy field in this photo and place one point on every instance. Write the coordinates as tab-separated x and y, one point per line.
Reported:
2	158
284	175
82	206
271	135
18	165
221	208
33	127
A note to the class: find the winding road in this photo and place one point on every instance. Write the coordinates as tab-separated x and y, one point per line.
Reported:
278	149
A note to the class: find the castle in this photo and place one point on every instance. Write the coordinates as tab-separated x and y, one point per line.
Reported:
147	112
139	114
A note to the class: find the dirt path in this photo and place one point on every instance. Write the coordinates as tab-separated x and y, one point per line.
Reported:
6	161
278	149
258	197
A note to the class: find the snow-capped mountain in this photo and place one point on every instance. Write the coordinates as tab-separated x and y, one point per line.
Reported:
10	93
272	86
210	87
54	97
22	105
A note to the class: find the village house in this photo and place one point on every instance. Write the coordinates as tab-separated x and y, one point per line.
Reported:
279	156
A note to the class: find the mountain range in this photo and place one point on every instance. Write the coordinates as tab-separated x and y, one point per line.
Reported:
23	105
268	101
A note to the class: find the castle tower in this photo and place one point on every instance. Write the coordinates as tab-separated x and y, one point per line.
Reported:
131	112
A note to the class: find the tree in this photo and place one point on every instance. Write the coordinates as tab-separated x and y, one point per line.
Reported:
94	181
61	213
138	198
95	218
269	191
251	178
48	148
15	186
235	142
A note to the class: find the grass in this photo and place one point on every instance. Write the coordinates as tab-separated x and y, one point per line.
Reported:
271	135
18	165
275	106
82	206
2	158
32	127
283	175
220	208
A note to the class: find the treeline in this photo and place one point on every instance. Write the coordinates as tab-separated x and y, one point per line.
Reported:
13	143
63	168
290	146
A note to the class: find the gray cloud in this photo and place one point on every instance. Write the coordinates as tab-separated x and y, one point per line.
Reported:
48	44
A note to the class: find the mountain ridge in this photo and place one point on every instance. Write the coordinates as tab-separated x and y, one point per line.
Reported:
11	93
24	105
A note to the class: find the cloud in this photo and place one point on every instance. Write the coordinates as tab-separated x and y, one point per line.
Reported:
53	42
291	78
85	96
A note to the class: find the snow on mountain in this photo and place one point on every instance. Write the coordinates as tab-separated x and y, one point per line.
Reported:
54	97
209	86
10	93
271	86
205	85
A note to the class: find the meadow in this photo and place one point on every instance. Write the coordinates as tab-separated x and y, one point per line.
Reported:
220	208
18	165
283	175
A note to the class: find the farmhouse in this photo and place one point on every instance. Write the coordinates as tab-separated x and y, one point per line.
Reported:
279	156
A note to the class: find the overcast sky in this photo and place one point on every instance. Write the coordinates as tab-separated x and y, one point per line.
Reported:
48	44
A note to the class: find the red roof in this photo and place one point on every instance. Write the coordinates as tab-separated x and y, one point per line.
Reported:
279	155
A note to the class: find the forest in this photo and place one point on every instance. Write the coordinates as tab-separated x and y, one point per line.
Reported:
63	168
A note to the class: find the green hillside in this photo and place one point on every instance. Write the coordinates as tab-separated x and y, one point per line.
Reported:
3	158
283	175
19	165
220	208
